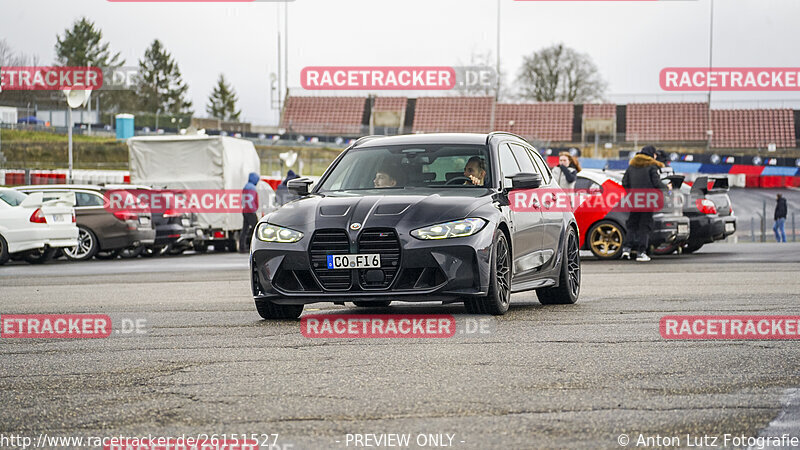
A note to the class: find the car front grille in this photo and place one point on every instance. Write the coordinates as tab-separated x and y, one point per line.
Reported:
330	242
385	243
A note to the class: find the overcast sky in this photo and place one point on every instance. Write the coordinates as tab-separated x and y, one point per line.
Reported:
629	41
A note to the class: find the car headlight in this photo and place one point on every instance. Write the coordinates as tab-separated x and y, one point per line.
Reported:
458	228
272	233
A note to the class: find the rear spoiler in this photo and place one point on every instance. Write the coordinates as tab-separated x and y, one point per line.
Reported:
675	180
707	185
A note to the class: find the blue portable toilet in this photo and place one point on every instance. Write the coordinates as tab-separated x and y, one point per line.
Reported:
124	124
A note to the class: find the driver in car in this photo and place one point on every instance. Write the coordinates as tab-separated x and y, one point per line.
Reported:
475	170
387	176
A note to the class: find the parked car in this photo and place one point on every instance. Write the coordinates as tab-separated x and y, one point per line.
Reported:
175	231
101	233
708	207
33	228
604	231
433	235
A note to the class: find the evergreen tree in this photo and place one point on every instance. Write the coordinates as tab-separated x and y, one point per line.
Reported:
83	45
222	101
160	86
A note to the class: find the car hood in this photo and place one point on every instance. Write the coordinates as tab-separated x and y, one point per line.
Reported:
402	211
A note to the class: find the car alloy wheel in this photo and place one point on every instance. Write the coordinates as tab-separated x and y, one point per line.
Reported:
605	240
86	248
573	265
499	297
569	280
503	268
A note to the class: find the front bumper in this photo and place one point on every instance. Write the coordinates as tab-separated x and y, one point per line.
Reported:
430	270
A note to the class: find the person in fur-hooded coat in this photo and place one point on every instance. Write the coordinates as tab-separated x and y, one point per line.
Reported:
642	173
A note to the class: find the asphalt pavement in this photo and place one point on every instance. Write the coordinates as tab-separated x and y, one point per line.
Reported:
582	375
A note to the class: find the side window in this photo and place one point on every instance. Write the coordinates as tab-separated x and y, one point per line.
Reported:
508	165
541	164
86	199
586	184
523	159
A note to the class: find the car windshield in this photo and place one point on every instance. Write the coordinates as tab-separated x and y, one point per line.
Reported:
13	198
410	166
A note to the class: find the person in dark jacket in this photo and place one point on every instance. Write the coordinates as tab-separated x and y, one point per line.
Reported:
780	219
282	194
249	216
642	173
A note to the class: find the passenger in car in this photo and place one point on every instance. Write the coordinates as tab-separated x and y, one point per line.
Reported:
475	170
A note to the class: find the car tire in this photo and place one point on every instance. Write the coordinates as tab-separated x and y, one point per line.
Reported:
150	251
3	251
664	249
131	252
39	255
175	250
273	311
692	247
497	301
569	280
87	246
373	304
605	239
200	247
108	254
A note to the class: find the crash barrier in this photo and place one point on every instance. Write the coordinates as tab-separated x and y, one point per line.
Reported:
16	177
739	175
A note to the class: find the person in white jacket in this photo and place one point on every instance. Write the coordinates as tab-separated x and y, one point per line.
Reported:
566	172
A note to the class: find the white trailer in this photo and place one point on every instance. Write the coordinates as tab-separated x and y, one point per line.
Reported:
197	162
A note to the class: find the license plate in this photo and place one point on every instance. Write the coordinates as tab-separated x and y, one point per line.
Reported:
144	220
372	261
683	229
58	218
729	227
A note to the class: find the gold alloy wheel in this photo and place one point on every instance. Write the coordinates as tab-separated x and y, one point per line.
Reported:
605	240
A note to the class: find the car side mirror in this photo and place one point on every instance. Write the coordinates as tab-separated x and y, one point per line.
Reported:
299	186
525	181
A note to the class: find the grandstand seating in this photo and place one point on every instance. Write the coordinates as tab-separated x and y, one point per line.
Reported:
660	122
752	128
390	104
324	115
645	122
599	111
539	121
453	114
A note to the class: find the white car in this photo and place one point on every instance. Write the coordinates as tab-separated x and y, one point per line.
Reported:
34	229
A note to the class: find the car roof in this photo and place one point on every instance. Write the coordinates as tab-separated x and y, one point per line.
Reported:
430	138
39	187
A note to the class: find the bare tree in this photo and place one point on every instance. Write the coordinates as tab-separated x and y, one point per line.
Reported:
479	63
559	74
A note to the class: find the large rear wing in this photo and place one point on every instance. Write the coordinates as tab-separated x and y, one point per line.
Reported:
711	185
